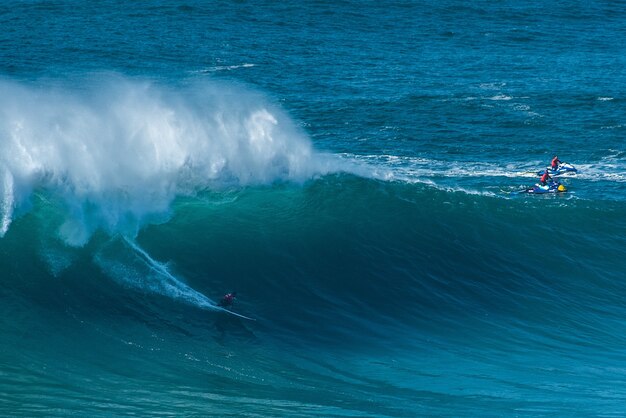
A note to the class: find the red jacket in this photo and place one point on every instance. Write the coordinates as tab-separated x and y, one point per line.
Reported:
555	162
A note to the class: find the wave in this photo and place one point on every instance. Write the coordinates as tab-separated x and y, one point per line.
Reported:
336	271
226	68
190	192
118	151
342	250
114	153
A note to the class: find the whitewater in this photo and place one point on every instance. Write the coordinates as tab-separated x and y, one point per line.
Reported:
120	152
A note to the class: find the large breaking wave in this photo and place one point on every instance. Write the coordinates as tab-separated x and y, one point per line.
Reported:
116	152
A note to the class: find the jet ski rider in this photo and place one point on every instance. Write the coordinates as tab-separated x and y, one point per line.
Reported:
544	178
555	163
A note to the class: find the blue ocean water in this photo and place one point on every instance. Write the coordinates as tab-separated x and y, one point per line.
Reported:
351	169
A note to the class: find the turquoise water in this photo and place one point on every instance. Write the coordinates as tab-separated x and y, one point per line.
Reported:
351	169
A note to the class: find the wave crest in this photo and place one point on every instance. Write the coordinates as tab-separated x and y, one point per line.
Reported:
118	151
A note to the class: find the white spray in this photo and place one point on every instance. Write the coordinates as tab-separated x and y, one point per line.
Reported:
118	152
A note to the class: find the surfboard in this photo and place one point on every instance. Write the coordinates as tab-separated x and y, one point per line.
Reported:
234	313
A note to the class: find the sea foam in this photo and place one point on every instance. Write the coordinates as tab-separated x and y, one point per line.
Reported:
118	151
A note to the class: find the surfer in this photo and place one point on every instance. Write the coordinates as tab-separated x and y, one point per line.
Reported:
544	178
228	300
555	163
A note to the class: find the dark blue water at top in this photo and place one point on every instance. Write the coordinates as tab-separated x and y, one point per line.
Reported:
405	278
419	74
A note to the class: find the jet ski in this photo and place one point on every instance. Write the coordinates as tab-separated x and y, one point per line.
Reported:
552	187
563	168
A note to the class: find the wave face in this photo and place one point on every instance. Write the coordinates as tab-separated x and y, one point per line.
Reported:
352	282
351	169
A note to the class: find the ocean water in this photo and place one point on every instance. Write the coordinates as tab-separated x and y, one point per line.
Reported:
351	169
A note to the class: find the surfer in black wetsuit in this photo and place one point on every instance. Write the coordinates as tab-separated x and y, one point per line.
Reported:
228	300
